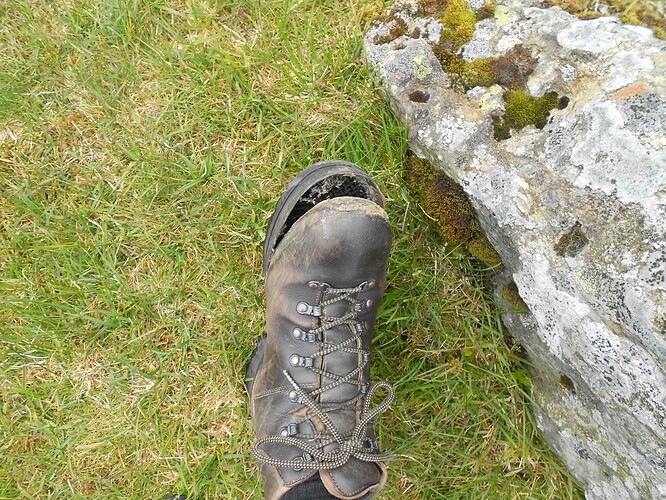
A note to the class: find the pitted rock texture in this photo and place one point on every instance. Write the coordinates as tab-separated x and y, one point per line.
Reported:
576	209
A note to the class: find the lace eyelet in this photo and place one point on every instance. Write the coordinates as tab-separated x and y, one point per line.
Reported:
363	305
301	361
367	285
308	309
295	398
289	430
305	457
300	334
372	444
319	285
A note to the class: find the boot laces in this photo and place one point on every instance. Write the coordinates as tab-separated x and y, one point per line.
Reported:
354	443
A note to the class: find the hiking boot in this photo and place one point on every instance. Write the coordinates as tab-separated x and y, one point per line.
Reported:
309	379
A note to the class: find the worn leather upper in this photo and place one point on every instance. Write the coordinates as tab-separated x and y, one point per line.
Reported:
342	243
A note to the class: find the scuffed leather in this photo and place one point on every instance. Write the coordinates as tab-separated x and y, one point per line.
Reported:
343	242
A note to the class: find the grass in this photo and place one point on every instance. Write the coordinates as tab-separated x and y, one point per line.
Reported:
143	145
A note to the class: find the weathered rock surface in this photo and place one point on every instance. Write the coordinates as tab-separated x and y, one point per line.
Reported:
577	210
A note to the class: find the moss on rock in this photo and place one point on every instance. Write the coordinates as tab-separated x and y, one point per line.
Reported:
483	250
398	29
486	11
458	19
513	299
572	242
510	70
464	74
460	23
452	213
523	109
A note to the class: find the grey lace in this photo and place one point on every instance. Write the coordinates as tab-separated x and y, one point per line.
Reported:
353	444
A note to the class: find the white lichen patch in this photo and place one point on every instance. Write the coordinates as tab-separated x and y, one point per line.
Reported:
481	43
625	68
485	180
589	36
451	132
605	149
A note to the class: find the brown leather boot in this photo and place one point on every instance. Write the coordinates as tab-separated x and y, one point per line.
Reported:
309	378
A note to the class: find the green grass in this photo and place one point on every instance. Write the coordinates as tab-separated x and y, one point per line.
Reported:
143	145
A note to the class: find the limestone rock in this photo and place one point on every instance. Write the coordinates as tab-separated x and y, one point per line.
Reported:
576	209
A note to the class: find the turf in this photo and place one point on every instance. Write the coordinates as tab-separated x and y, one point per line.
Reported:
143	145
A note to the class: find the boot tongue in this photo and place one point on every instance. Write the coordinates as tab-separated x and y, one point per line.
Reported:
354	479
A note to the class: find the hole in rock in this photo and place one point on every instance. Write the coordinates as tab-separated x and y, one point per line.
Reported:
419	96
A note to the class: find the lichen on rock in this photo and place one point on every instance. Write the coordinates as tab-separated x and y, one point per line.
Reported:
554	127
650	14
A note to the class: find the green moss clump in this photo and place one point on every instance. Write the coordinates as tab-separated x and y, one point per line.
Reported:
447	204
483	250
460	23
644	16
523	109
456	12
512	296
443	199
510	69
458	19
477	73
464	74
